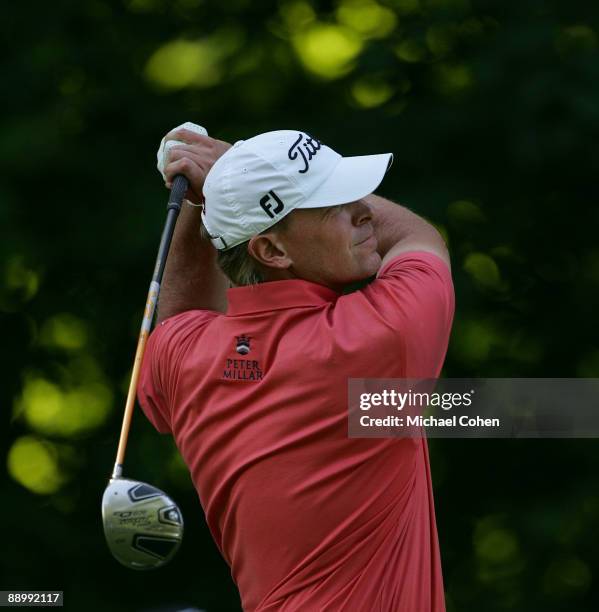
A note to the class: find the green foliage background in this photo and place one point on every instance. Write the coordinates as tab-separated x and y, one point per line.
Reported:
492	110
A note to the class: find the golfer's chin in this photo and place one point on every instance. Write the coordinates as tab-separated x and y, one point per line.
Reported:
366	255
372	263
366	267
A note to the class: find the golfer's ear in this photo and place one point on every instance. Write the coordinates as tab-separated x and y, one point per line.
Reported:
269	251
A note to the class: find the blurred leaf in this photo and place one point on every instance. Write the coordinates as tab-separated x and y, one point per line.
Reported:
566	576
64	331
33	463
370	92
327	50
51	410
483	270
367	17
199	63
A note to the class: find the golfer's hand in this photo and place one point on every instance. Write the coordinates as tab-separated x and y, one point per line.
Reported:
192	159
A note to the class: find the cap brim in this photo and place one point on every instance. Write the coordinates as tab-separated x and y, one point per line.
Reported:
353	178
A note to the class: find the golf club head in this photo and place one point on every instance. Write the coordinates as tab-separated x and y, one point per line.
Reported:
142	524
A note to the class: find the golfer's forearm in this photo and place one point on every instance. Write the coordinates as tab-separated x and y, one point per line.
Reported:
398	230
192	279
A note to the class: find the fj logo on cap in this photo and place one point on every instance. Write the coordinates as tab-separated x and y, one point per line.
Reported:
267	205
306	150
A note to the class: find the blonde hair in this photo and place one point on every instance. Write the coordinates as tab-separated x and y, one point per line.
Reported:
237	264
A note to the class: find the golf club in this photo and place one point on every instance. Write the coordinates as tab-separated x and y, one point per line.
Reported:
143	526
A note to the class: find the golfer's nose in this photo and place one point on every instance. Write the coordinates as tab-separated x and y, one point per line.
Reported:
361	212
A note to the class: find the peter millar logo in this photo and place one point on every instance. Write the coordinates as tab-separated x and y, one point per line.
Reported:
243	344
240	369
306	150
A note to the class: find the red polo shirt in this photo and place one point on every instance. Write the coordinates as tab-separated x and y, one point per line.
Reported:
256	400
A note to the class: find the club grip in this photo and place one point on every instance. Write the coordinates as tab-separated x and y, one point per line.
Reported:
178	190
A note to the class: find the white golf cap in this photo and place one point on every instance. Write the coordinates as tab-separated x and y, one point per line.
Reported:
260	180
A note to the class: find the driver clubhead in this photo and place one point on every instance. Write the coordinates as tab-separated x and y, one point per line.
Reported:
142	524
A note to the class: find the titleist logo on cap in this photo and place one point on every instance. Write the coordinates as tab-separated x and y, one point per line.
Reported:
306	150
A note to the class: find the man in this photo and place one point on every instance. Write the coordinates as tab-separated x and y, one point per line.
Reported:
256	398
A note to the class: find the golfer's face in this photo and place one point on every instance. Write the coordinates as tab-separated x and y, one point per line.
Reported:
333	246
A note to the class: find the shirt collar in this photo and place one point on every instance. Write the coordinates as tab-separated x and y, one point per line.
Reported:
277	295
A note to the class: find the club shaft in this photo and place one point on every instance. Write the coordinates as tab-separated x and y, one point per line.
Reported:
177	193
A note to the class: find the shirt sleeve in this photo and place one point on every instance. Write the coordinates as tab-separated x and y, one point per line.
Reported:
167	344
411	305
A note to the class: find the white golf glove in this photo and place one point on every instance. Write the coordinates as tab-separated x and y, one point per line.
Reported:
165	147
